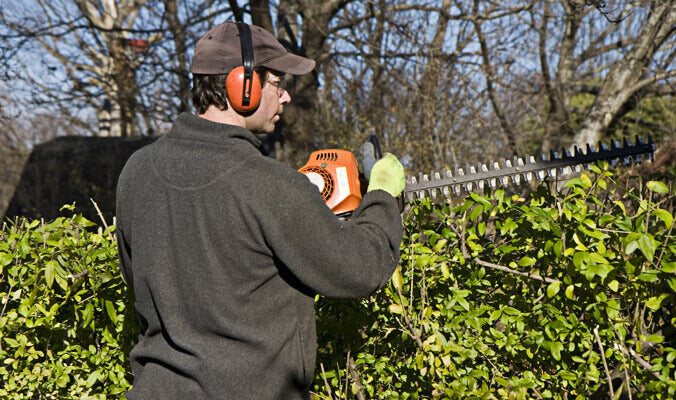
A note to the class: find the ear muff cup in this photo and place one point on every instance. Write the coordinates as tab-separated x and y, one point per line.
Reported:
243	85
235	87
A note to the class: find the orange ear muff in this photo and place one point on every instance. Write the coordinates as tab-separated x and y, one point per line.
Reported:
242	90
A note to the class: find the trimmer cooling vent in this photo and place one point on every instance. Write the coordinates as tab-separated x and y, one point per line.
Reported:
327	191
327	156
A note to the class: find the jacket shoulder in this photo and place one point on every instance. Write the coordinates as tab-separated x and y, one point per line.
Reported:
137	159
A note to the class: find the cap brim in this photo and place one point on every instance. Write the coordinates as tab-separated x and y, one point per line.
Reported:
290	64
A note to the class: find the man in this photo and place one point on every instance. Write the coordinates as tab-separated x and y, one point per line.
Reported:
225	248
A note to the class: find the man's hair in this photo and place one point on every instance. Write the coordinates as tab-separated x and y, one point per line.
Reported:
208	90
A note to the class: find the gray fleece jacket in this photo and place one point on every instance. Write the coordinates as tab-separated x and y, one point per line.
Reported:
224	249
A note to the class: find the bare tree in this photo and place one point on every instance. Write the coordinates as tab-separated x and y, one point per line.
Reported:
90	40
125	60
636	71
617	53
9	131
407	72
441	82
164	76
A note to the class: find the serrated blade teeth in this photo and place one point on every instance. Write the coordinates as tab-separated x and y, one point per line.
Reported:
527	169
435	177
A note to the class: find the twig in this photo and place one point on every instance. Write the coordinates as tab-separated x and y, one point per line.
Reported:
605	364
326	382
44	233
627	380
624	361
84	272
6	299
637	357
542	296
354	374
347	380
666	239
414	332
98	210
511	271
87	299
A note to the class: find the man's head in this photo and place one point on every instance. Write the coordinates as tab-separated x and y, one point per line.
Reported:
223	49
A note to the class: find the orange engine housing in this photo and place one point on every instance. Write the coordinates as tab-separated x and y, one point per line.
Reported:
336	175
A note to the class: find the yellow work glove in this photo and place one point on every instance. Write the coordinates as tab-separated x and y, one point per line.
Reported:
387	174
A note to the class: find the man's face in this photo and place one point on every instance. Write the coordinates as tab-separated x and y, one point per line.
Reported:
273	98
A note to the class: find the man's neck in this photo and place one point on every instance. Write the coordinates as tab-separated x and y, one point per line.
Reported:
228	117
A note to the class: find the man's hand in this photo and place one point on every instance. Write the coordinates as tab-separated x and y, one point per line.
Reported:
388	175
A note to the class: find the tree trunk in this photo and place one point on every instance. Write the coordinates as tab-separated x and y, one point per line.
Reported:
295	132
178	30
557	93
628	75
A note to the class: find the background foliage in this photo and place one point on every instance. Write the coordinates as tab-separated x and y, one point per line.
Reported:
551	294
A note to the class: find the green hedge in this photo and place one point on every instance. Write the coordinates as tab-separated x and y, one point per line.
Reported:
561	295
554	296
65	324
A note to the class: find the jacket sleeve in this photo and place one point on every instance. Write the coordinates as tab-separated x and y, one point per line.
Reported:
123	237
332	257
124	255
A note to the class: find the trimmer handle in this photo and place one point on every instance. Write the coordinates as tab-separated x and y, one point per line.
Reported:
373	139
370	153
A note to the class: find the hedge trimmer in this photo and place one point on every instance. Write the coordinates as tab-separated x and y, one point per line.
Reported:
336	174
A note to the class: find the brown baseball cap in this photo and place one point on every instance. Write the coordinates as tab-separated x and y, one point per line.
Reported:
219	51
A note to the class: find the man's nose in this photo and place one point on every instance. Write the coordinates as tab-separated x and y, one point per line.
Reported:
286	97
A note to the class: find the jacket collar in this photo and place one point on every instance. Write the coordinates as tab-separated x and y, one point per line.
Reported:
191	127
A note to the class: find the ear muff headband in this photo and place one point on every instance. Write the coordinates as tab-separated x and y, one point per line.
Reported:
247	62
242	84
